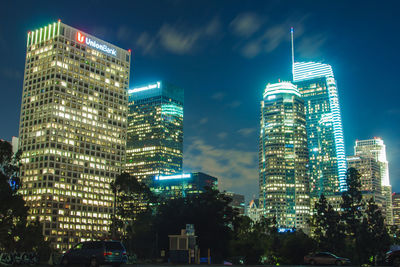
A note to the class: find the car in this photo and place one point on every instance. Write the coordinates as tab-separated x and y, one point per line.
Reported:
392	257
322	258
95	253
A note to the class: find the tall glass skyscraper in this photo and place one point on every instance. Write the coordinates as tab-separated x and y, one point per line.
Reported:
327	165
155	131
283	156
72	131
376	149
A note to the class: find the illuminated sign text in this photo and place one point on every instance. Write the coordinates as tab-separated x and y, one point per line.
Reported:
92	43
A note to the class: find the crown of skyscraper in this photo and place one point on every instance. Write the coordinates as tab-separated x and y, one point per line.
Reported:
310	70
281	88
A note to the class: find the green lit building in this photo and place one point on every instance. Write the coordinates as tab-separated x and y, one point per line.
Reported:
182	184
155	131
327	160
72	131
283	157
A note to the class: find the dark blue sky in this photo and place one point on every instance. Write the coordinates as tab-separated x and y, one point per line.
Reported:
223	53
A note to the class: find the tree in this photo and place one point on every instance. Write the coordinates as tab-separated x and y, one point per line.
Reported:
211	215
131	198
352	205
249	240
352	213
16	232
328	230
294	246
374	233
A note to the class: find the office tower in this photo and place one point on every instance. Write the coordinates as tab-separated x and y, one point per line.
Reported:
396	209
72	131
283	156
376	149
327	160
370	179
155	131
182	184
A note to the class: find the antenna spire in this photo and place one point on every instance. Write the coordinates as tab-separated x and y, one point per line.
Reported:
291	37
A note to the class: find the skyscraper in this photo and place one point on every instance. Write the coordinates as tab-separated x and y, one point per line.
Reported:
376	149
72	131
327	165
283	156
155	131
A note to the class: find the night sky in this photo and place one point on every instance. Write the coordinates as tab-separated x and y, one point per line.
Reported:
223	53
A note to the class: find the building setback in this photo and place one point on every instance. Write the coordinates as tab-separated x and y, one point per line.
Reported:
155	131
327	160
283	157
72	131
376	149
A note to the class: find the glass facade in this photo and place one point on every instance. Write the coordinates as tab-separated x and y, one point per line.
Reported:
155	131
72	131
182	185
283	157
327	160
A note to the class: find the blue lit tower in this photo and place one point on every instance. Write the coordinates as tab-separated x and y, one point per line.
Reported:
283	156
327	163
155	131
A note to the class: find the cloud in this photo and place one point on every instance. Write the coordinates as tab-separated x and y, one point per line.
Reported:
100	31
124	33
246	131
146	43
271	37
309	46
203	121
177	42
246	24
393	111
218	96
251	49
274	37
222	135
234	168
11	74
177	39
234	104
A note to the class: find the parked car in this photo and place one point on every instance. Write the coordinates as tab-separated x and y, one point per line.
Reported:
393	258
95	253
322	258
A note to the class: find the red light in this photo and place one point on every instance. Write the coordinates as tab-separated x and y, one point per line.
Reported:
59	20
124	253
80	37
129	50
107	253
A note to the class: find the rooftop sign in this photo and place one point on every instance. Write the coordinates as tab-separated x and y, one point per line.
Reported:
172	177
144	88
81	38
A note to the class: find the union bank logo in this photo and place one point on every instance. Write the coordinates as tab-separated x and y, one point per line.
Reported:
80	37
